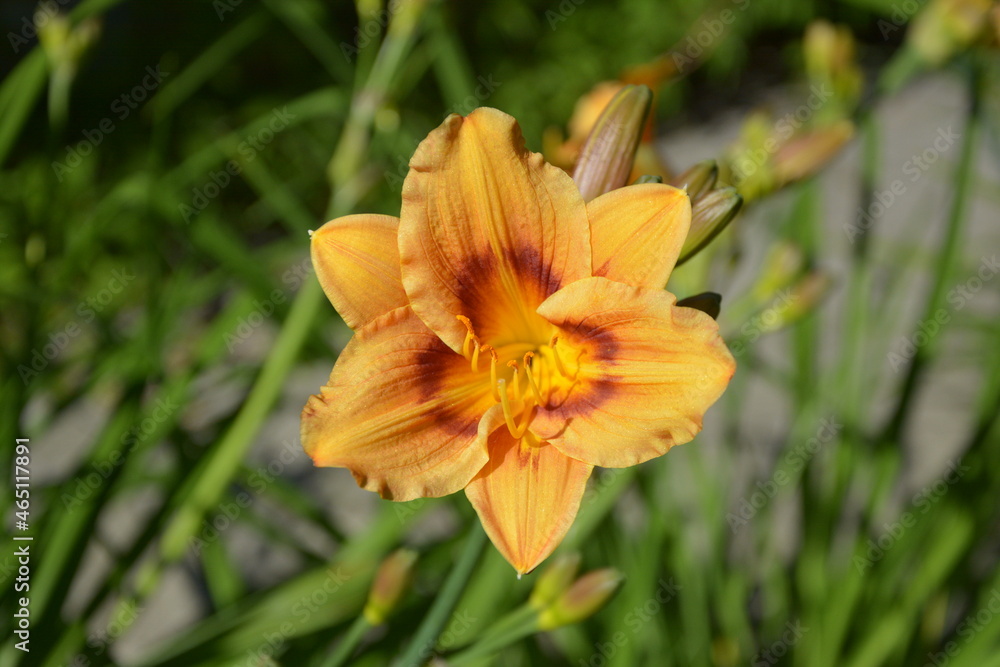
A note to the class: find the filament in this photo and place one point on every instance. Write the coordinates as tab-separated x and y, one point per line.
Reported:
555	355
494	358
528	356
515	430
513	381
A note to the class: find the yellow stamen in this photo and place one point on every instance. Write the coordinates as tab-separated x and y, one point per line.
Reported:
475	354
515	430
528	365
494	358
469	334
555	355
513	381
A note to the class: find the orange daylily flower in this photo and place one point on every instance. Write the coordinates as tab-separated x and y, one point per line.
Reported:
508	336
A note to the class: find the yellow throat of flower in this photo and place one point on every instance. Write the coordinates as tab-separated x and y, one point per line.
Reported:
529	383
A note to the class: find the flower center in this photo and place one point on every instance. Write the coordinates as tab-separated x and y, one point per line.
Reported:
531	377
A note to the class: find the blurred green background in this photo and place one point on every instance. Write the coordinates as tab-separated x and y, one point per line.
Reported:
160	165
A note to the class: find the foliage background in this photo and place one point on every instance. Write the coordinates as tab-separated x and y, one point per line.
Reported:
171	335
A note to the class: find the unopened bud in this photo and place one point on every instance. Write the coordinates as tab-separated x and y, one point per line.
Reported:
747	164
809	152
392	580
946	27
698	180
798	302
829	56
405	15
589	108
783	263
821	48
53	33
709	303
582	600
65	46
554	581
606	158
709	215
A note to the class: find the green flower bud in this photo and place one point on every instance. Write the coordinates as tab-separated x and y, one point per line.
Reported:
554	580
582	600
709	215
392	581
698	180
606	158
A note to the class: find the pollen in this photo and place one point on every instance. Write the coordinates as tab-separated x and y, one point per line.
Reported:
542	368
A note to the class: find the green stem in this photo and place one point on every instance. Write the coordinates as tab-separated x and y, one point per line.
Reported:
212	479
947	258
511	628
345	649
427	634
485	649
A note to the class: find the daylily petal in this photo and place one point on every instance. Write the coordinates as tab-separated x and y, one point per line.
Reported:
527	495
356	258
488	231
637	233
645	372
401	411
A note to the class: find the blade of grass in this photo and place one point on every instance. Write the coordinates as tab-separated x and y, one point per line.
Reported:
422	643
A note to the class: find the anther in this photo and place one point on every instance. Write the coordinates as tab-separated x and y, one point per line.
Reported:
469	334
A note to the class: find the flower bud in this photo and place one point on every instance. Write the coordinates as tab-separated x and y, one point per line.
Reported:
709	215
829	56
784	262
946	27
606	158
65	46
582	600
799	302
698	180
747	164
554	580
588	109
392	580
709	303
809	152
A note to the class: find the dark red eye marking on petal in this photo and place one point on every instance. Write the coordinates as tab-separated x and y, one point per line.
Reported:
441	369
598	348
489	298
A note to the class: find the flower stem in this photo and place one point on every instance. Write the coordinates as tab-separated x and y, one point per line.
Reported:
345	649
427	634
948	257
511	628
